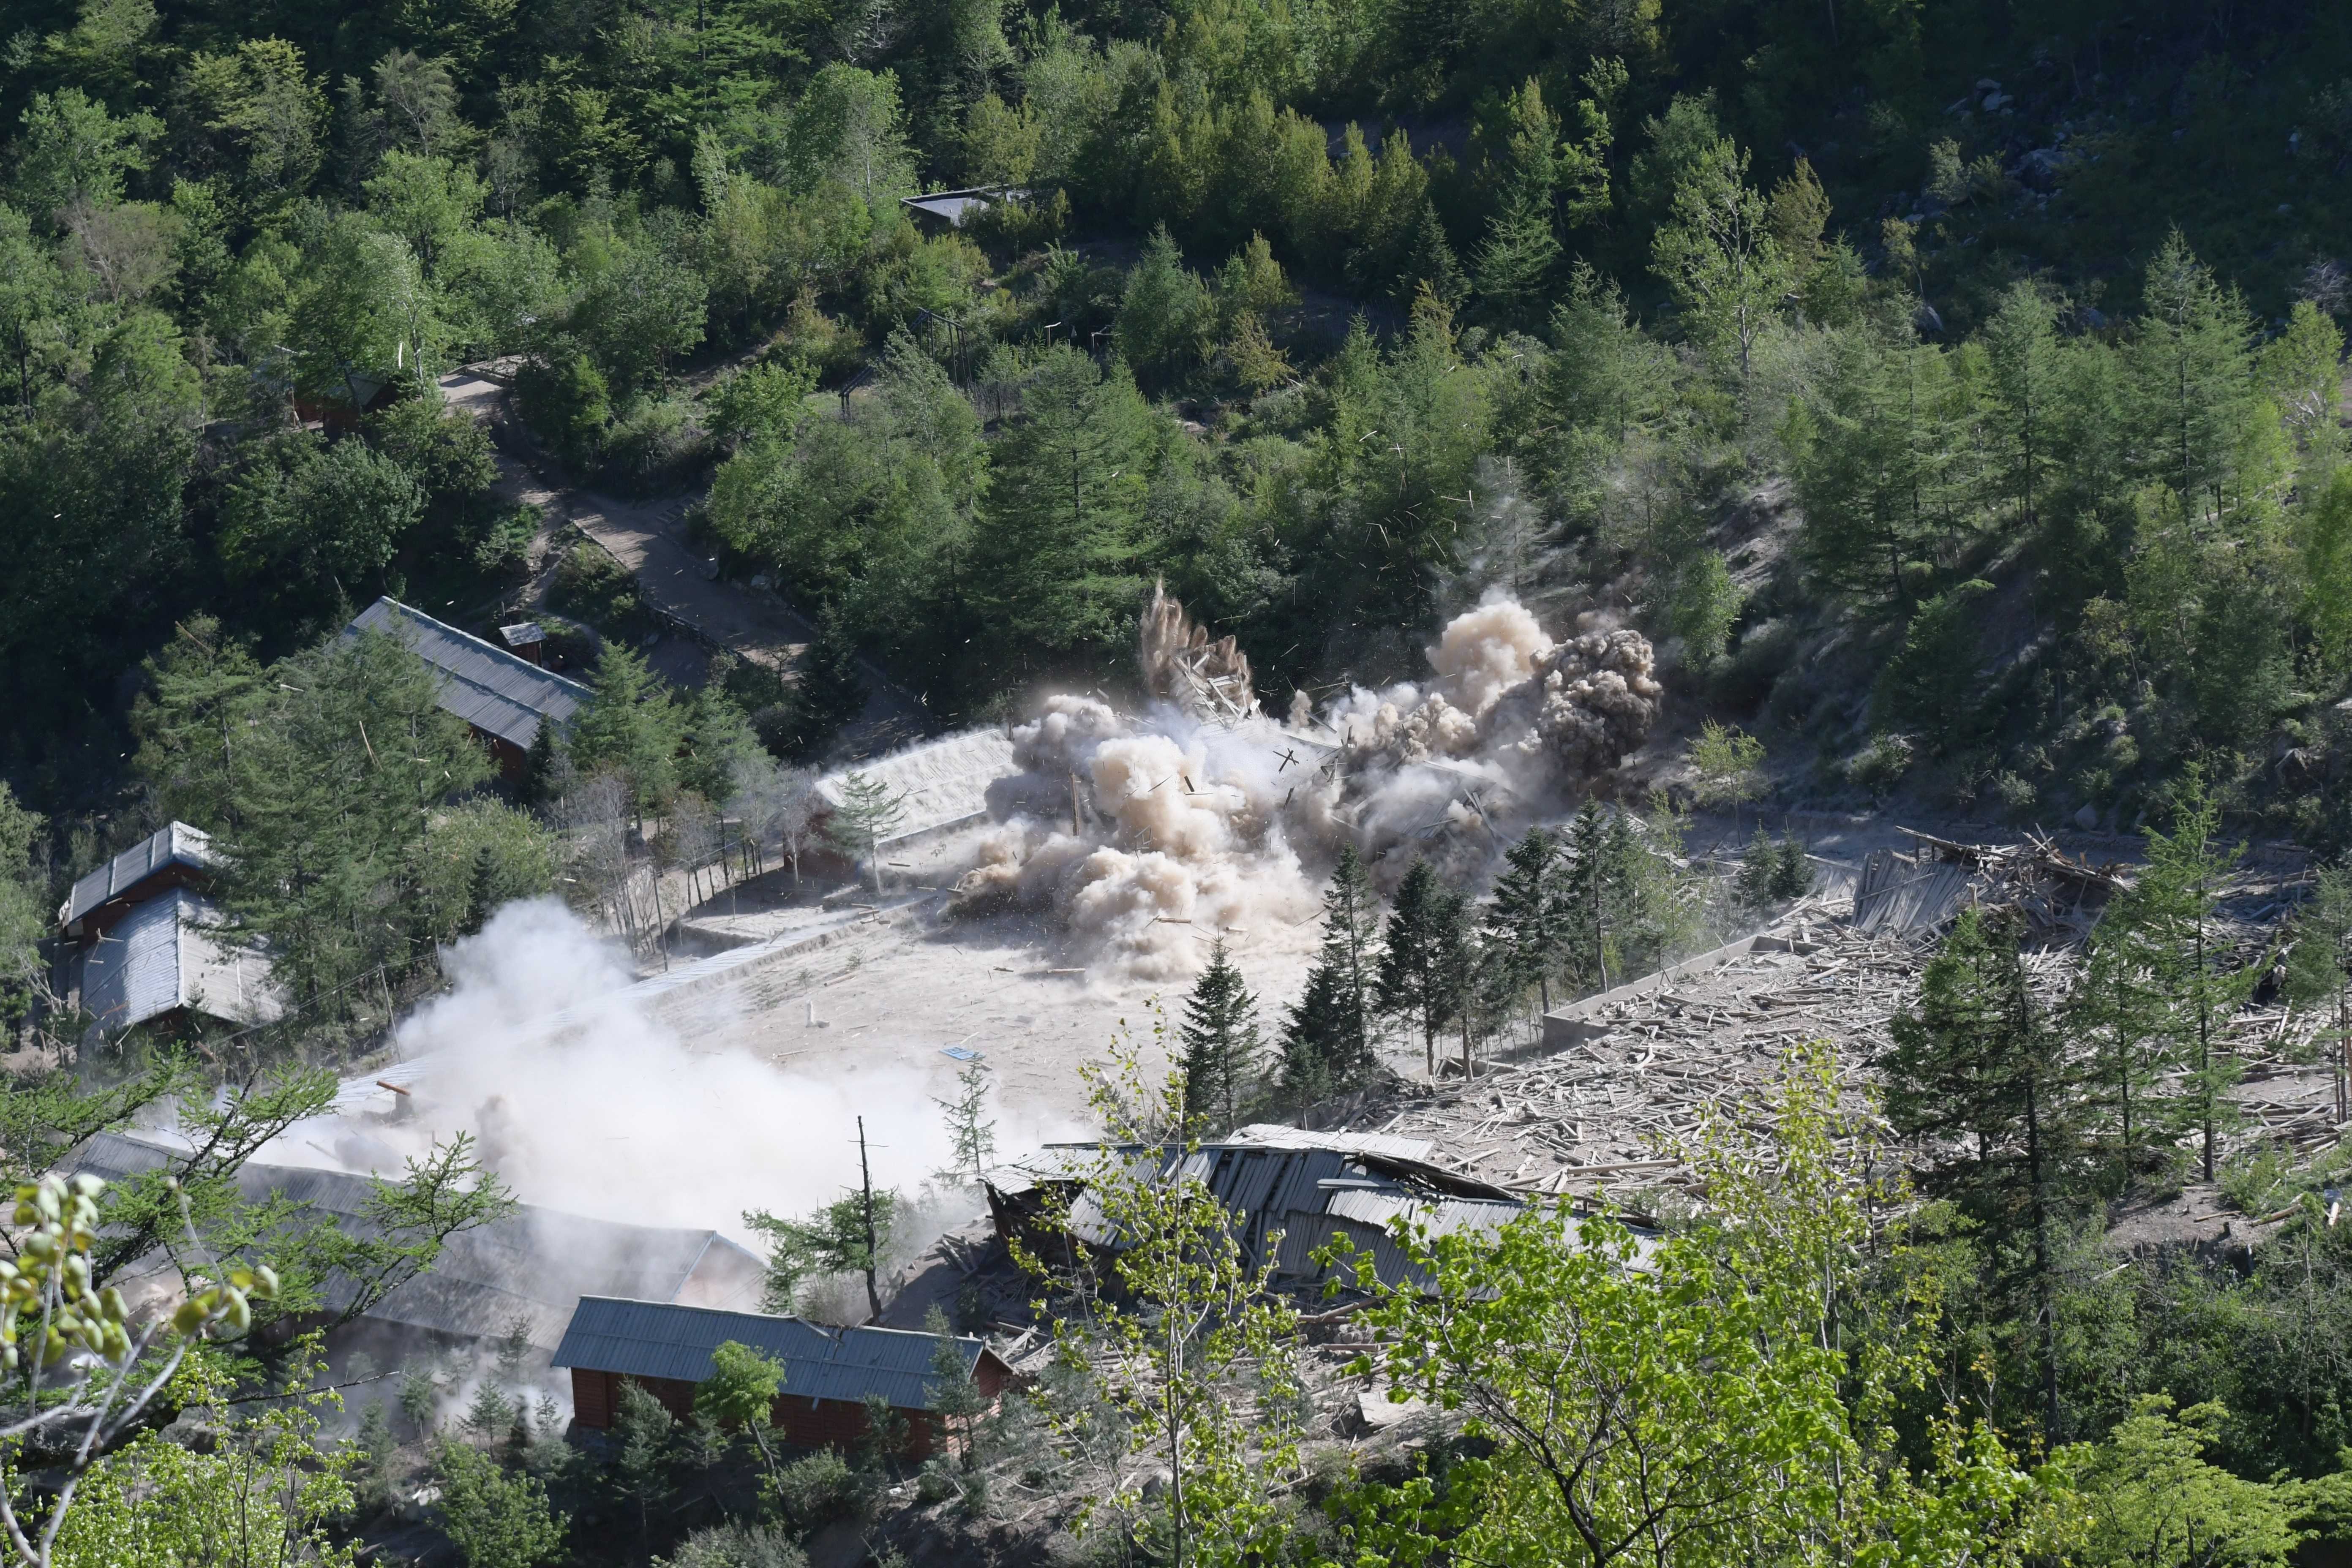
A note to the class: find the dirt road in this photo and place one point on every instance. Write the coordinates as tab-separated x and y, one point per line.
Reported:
648	539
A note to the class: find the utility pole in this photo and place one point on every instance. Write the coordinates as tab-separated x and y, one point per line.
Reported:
865	1179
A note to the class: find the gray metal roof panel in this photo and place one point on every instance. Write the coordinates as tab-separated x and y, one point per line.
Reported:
494	691
654	1338
535	1263
174	843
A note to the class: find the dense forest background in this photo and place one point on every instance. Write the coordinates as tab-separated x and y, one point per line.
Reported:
1952	389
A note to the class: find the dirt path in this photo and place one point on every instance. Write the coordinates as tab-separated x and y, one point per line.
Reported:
648	539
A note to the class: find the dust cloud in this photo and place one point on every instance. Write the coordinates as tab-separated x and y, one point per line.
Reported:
1146	832
583	1100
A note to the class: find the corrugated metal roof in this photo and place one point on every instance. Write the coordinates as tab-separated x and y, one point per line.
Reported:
1897	894
1275	1135
653	1339
1286	1202
176	843
535	1264
166	953
494	691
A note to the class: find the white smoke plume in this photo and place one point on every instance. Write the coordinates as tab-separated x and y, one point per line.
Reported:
583	1101
1146	833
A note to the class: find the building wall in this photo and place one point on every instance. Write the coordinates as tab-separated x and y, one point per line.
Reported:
802	1422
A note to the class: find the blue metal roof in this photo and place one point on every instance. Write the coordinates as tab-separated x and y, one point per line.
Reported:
654	1338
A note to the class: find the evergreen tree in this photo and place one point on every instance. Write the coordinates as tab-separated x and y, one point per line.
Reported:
542	764
972	1133
1421	978
2169	925
1054	564
828	690
1585	886
2319	967
1219	1040
1718	259
1522	244
867	812
1326	1040
718	741
2194	353
630	726
2022	347
1527	925
1975	1064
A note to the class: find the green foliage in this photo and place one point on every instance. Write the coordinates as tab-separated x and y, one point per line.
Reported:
1728	765
1327	1039
1194	1351
567	403
630	726
1219	1044
1056	571
835	1240
828	694
818	1488
740	1393
867	812
1702	1399
1166	318
2150	1497
23	906
318	522
1932	683
972	1134
494	1518
318	776
265	1493
1423	975
736	1545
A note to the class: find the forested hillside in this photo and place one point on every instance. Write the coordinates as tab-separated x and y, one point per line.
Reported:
1955	385
1948	391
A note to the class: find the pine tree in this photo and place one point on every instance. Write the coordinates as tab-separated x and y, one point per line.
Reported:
1219	1042
1054	565
828	689
868	811
2169	919
541	764
2022	347
972	1134
1585	895
1527	925
1327	1037
1975	1064
629	725
1421	978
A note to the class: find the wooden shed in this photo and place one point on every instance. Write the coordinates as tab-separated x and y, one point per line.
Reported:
829	1372
503	696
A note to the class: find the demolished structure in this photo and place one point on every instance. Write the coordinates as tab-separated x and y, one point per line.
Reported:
1208	680
1289	1193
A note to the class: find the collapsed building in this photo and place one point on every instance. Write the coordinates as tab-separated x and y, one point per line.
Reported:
1289	1193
